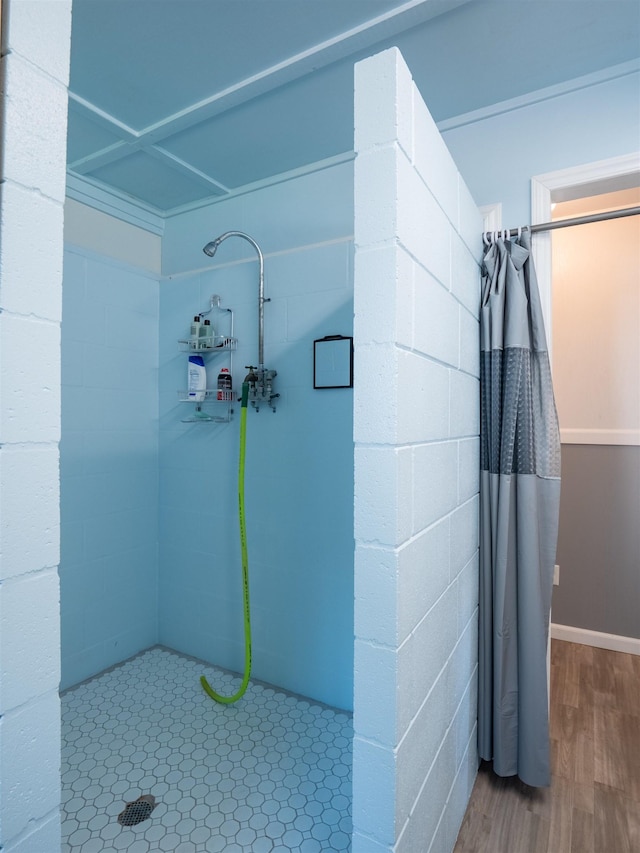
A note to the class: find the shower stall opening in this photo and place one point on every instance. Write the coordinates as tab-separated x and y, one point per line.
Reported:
151	565
151	558
150	553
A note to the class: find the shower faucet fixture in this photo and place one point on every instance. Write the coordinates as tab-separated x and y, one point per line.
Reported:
260	384
259	379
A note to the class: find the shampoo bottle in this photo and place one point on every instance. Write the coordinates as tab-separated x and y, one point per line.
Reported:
194	334
206	335
197	379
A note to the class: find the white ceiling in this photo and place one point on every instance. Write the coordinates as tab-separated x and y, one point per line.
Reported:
173	102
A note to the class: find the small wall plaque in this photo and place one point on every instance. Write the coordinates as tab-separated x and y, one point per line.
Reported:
333	362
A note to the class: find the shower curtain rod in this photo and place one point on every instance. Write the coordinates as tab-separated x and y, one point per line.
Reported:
575	220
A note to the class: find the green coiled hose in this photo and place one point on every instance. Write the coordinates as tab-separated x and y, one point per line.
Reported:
227	700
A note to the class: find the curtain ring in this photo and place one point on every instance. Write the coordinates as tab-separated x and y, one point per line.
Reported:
484	238
495	236
519	232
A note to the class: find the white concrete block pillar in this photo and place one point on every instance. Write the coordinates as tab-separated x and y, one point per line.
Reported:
416	300
34	74
382	510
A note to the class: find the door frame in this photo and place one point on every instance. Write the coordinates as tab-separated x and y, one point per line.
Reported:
555	186
590	178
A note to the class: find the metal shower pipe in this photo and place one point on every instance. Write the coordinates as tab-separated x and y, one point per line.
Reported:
210	249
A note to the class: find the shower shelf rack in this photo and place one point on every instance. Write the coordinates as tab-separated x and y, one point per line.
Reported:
225	344
221	344
211	396
202	416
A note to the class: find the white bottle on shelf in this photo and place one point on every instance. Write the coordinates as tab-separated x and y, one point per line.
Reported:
194	333
206	335
197	379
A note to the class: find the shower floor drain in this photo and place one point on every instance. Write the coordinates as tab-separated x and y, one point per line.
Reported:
137	811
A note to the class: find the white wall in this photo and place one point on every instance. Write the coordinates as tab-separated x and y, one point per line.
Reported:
416	424
34	68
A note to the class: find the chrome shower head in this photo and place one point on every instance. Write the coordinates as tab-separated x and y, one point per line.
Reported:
210	248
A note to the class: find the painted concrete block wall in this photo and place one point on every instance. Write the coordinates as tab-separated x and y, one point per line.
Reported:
108	463
34	75
299	461
498	155
416	424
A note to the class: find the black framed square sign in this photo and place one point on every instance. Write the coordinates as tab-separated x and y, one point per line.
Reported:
333	362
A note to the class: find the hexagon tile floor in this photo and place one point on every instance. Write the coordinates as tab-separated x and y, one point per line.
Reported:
269	774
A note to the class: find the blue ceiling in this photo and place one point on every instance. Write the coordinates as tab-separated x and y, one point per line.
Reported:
176	102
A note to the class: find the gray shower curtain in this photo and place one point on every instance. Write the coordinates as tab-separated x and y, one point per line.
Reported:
519	504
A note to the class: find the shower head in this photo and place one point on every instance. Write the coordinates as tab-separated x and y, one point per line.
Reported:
210	248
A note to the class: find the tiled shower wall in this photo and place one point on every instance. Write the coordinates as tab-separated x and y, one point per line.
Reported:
149	547
416	424
109	463
299	461
34	74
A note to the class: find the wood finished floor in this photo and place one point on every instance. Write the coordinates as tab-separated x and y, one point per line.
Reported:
593	804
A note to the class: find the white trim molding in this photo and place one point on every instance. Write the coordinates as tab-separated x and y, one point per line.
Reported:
600	436
613	72
543	188
589	173
105	199
491	216
109	200
613	642
541	249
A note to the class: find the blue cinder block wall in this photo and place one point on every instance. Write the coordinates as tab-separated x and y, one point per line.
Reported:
150	543
108	463
299	461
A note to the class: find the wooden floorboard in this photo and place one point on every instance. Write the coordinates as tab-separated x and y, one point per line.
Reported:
593	803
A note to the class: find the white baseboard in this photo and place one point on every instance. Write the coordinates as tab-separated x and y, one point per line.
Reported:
613	642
